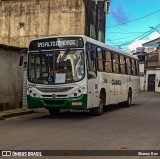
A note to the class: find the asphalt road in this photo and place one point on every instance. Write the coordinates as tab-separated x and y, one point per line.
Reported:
133	128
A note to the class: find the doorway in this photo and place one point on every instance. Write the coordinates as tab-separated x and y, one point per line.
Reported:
151	82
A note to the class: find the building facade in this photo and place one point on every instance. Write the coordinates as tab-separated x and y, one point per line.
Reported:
149	60
152	65
11	78
22	21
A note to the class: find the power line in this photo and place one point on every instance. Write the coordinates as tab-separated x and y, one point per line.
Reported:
126	32
134	19
113	40
139	37
117	28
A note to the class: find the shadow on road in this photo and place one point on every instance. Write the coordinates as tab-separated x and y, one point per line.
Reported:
66	114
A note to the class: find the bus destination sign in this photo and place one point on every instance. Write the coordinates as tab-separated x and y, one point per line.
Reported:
56	43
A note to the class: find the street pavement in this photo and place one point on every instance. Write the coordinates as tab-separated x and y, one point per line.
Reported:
133	128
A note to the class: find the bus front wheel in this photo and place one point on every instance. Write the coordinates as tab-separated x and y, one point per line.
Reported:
99	110
53	111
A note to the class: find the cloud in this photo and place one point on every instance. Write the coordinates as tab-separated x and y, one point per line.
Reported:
138	43
119	15
154	36
135	44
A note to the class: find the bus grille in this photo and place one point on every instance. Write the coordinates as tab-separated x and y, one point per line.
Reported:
52	90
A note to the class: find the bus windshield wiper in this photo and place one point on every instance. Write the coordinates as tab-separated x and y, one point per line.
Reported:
63	57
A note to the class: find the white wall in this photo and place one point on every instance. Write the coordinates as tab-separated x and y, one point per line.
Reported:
157	79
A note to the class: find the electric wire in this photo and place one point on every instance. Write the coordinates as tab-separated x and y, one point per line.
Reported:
134	19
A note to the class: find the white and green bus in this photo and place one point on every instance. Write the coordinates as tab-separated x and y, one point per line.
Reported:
79	73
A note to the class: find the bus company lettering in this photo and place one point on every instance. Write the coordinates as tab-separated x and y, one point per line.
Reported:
116	82
56	43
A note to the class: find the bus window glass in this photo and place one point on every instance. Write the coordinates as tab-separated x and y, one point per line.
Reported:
108	65
91	62
53	67
122	64
137	64
128	65
133	67
100	59
35	66
115	63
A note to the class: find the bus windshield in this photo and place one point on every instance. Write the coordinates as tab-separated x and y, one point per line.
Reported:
56	67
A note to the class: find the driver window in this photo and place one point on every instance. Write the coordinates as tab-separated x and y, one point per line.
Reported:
91	61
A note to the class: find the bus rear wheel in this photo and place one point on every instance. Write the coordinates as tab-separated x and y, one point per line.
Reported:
54	111
129	100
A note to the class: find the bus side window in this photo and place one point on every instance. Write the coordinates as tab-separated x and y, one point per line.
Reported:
126	67
99	59
133	67
122	64
137	67
104	60
119	64
108	65
91	61
135	63
115	63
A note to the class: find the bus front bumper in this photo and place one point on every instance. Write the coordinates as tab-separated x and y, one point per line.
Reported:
59	103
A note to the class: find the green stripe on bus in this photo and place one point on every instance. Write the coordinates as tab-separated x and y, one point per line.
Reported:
61	103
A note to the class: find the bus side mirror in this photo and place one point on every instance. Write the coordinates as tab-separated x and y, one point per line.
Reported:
91	75
21	60
21	57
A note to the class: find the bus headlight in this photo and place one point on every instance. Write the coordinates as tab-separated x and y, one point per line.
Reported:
78	92
32	93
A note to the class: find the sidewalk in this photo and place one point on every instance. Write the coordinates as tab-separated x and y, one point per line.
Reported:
15	112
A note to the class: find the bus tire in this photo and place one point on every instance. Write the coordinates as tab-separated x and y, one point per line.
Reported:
99	110
129	99
54	111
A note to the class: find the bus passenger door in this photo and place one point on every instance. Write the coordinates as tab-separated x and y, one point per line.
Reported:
93	94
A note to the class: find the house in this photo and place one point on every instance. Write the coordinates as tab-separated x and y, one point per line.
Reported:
11	78
152	65
22	21
149	63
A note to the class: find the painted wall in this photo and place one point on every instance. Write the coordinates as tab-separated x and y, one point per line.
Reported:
22	21
157	79
10	80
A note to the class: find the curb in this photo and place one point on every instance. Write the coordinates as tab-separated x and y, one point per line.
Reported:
17	114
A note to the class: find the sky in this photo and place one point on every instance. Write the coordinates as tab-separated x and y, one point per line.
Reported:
128	23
